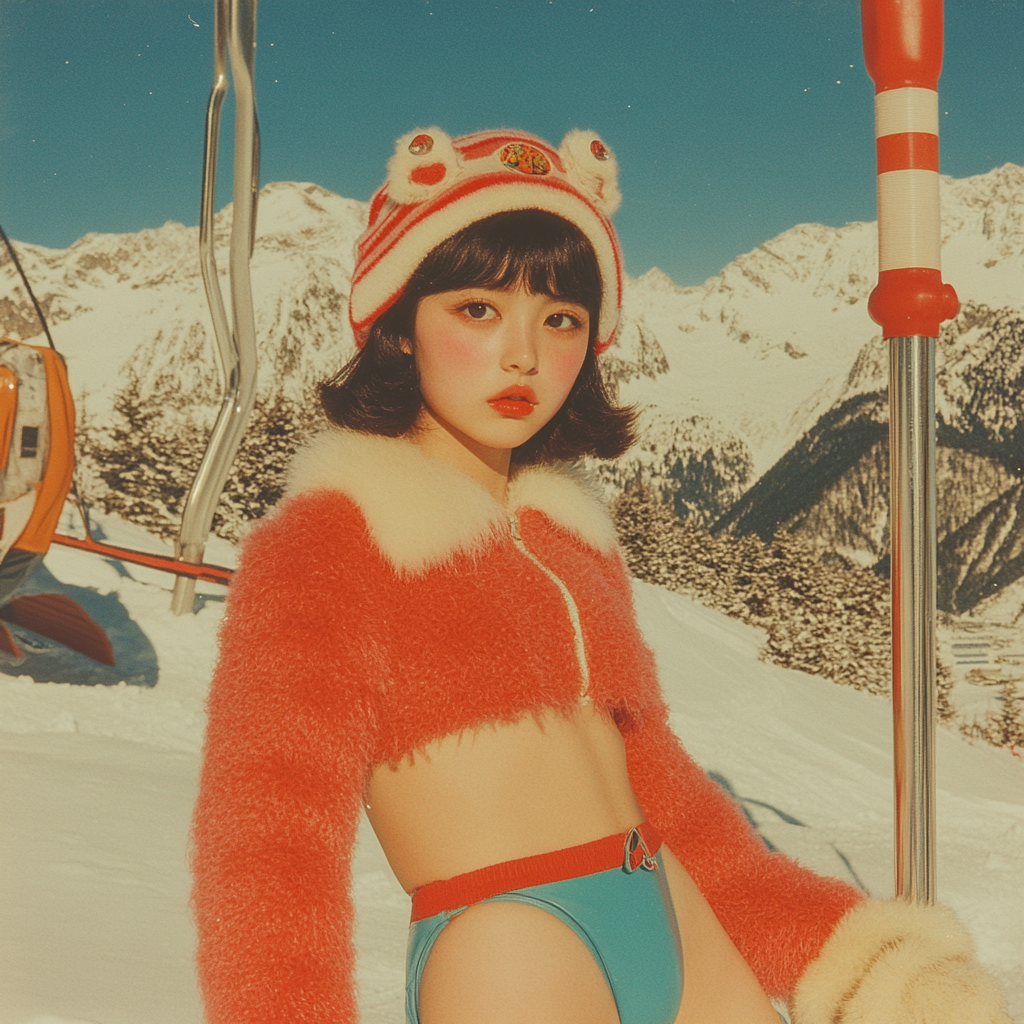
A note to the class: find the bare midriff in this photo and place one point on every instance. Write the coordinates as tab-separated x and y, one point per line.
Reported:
502	792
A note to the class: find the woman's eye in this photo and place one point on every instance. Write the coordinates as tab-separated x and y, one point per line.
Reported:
479	311
562	321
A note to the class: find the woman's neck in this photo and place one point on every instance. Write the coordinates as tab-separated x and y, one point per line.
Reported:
445	443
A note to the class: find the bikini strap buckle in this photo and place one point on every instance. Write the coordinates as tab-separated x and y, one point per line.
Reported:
635	841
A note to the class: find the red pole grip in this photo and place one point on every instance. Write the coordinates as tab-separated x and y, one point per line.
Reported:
902	42
903	54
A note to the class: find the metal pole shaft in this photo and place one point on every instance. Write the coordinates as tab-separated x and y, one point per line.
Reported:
912	547
235	19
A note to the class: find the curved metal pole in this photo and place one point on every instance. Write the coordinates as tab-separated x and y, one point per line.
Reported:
903	54
236	23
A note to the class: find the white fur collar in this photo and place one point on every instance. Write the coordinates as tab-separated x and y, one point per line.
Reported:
420	511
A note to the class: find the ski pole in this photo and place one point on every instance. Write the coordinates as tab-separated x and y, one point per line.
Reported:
235	24
903	54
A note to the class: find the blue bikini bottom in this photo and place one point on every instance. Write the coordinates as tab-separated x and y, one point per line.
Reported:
626	920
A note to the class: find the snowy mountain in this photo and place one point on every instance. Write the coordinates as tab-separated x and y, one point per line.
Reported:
763	389
757	353
766	348
133	305
831	487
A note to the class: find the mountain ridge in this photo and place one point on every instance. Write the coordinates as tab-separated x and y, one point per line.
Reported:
761	390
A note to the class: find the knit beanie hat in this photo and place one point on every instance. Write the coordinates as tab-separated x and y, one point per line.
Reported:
436	186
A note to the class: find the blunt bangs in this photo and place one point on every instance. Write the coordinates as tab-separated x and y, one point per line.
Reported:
533	249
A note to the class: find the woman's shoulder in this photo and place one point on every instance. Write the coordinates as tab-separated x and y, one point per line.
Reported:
307	546
310	520
570	497
317	525
416	512
329	493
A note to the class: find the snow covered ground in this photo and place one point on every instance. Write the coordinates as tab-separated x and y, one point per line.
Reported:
98	783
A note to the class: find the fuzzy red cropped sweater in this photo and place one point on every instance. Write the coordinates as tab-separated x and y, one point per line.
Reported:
384	604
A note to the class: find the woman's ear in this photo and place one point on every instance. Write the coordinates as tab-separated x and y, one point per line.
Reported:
405	345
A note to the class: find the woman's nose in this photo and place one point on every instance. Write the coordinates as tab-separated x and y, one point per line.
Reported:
520	349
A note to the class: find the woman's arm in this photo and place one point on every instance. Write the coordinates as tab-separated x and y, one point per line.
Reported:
778	914
286	754
834	953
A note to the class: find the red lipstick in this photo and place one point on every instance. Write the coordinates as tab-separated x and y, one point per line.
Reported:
516	401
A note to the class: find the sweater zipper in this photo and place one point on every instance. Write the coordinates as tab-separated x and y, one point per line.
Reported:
570	606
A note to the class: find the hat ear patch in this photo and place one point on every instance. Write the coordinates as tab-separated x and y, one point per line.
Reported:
424	164
428	174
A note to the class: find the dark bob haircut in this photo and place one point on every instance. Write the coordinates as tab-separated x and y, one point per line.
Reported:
378	391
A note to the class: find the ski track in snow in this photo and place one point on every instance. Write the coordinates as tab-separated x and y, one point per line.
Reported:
98	784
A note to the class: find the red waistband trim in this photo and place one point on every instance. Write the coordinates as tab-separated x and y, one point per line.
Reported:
540	869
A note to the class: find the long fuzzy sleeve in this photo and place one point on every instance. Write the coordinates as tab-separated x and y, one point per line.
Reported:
778	914
287	748
834	954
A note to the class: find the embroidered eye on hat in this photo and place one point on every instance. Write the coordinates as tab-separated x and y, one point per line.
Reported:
436	186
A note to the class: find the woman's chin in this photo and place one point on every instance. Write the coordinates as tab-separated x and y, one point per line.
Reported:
510	432
496	431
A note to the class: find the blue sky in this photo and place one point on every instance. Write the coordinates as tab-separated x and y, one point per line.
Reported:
732	119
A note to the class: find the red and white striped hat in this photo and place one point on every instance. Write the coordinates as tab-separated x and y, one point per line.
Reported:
437	186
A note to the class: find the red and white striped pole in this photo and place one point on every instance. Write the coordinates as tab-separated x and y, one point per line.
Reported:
903	53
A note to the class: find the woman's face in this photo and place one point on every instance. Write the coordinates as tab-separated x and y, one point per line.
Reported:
497	364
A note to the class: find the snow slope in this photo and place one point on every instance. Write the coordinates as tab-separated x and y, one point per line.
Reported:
98	782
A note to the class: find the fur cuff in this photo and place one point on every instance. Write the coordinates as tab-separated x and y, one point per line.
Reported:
892	962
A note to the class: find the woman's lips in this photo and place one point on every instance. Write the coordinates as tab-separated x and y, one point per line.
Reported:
515	407
516	401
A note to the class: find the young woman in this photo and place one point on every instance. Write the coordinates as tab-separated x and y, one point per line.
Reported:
436	625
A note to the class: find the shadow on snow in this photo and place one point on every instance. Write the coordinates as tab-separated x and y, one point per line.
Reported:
47	661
